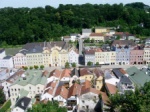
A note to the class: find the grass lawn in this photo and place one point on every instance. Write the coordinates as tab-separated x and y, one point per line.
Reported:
6	107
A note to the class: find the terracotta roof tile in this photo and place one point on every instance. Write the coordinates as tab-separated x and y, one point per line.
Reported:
124	42
51	84
62	91
86	84
111	88
98	72
74	90
96	34
45	73
49	91
85	71
55	73
66	73
93	90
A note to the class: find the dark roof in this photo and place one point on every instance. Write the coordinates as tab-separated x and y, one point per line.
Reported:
74	72
7	57
32	45
23	51
40	45
117	72
2	50
36	49
123	42
125	80
23	103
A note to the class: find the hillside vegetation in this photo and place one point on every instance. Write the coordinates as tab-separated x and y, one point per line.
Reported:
22	25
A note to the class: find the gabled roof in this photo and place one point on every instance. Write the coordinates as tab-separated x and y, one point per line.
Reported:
97	34
56	73
74	90
7	57
123	42
85	71
139	77
90	52
23	103
45	73
117	72
15	76
66	73
86	84
125	80
62	91
92	90
98	72
51	84
74	72
111	88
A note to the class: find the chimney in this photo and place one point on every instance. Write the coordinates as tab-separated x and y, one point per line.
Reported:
22	104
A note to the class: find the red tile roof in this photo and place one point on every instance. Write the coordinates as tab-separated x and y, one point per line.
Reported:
92	90
96	34
74	90
62	91
86	84
55	73
66	73
85	71
51	84
111	88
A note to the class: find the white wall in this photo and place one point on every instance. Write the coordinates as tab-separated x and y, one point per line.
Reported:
8	63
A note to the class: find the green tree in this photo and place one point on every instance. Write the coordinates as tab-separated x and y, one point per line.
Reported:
36	67
92	41
31	67
50	106
97	63
42	67
74	65
25	68
2	98
90	63
137	101
67	65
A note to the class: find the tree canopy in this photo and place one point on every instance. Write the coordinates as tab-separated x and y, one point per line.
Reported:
2	97
137	101
22	25
48	107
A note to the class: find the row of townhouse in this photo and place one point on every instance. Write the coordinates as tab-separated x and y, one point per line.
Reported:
123	52
47	54
43	53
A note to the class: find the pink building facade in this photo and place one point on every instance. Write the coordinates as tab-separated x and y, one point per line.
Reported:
136	57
